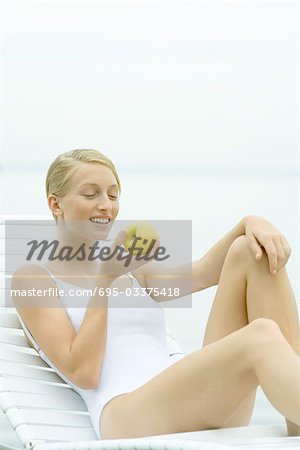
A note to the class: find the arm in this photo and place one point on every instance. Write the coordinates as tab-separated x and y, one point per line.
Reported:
209	267
77	355
206	271
88	347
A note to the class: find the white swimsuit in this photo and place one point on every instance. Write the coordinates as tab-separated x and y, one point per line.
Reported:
136	345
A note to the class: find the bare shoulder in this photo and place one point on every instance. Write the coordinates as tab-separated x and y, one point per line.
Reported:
46	319
139	274
32	276
147	270
27	280
30	272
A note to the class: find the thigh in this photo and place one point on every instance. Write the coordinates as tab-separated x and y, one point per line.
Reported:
229	308
229	313
201	391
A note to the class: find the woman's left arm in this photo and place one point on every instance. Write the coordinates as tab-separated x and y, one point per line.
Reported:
206	271
260	233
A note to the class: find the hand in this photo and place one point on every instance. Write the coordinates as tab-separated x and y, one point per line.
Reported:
122	261
261	233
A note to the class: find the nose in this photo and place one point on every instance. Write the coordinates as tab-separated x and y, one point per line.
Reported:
104	203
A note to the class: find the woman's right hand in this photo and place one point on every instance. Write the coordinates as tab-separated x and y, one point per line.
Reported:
114	266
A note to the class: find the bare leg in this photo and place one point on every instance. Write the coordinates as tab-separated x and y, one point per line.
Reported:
247	291
203	390
276	301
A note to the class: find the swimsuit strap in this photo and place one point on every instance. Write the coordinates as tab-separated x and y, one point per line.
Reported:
51	275
25	329
28	334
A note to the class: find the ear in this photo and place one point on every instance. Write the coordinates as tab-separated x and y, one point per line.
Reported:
54	205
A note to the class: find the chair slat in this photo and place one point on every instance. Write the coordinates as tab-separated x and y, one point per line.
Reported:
17	356
37	373
2	299
19	416
22	399
35	387
54	434
20	349
139	444
13	336
9	318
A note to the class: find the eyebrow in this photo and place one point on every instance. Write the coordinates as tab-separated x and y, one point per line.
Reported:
95	184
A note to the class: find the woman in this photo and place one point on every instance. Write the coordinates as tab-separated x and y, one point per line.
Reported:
252	336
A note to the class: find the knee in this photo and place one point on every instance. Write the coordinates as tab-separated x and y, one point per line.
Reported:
264	334
240	247
240	251
264	326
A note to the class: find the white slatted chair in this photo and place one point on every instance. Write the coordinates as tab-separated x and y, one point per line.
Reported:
45	413
38	404
39	410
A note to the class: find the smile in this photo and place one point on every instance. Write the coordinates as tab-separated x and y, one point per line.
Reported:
100	221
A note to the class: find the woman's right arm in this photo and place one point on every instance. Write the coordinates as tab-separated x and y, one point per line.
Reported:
78	356
88	346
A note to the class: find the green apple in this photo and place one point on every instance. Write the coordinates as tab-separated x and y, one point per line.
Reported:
143	230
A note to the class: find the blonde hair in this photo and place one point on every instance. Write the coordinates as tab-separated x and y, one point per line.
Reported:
62	169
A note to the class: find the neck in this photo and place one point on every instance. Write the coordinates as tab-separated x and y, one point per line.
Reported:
72	251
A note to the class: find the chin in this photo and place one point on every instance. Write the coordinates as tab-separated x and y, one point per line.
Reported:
86	230
96	232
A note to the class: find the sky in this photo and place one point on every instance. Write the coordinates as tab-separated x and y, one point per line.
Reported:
160	87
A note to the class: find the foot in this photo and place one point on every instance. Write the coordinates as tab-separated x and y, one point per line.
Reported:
292	428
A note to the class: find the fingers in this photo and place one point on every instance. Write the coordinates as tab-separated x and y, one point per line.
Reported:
272	256
255	247
275	245
278	252
144	258
154	248
287	248
283	252
118	264
119	240
281	259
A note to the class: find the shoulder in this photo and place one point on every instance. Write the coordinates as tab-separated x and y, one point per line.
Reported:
32	291
31	269
150	269
33	274
139	274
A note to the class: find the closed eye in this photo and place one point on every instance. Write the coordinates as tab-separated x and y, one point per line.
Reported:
113	197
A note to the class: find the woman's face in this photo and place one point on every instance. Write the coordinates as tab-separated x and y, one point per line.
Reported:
93	195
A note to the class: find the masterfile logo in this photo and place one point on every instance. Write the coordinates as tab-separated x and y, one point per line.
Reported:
81	261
